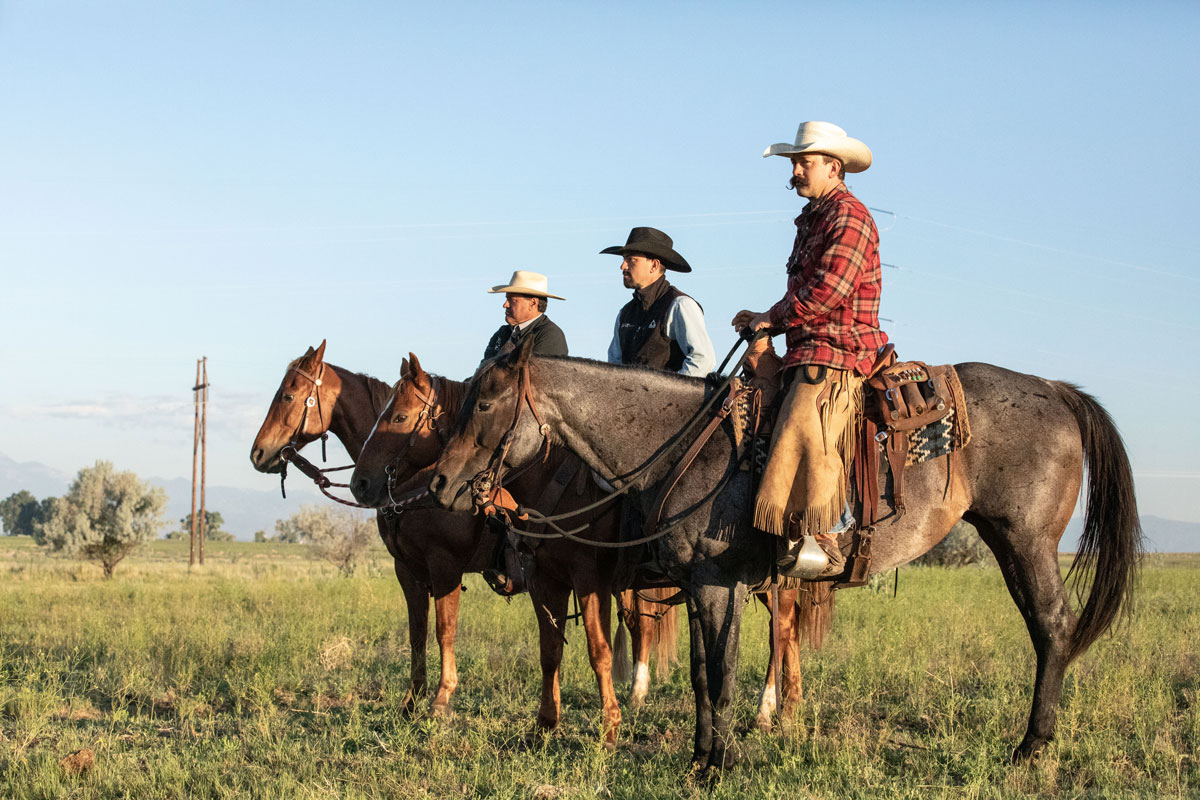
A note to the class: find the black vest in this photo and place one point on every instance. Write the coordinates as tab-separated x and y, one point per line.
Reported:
642	328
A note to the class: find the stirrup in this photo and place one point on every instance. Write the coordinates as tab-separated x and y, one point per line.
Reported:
501	584
812	557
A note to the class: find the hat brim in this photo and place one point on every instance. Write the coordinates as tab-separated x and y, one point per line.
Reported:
670	259
523	290
854	155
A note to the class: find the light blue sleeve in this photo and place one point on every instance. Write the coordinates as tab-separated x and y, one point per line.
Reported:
685	324
614	348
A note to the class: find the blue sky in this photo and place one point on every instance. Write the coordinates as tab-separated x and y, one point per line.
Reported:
241	180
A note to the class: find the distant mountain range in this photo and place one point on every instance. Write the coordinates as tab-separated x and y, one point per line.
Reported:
248	510
243	510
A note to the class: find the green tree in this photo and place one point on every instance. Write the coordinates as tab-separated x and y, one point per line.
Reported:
339	536
104	516
287	530
213	532
21	514
260	536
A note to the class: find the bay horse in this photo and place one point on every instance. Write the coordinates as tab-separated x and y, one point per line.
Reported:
409	437
431	548
347	404
1017	483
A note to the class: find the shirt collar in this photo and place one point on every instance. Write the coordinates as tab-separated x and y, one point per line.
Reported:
525	325
814	206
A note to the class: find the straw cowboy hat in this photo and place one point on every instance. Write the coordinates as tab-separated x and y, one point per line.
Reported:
651	242
525	282
828	139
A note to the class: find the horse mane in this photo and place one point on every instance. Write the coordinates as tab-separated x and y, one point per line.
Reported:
453	394
377	390
625	368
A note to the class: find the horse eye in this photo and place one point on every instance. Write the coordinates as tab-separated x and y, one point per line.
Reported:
287	398
485	406
400	418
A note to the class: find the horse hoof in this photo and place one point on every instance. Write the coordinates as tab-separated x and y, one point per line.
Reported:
441	709
1028	751
763	723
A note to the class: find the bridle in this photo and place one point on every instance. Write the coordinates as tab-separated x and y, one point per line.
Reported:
488	493
290	452
431	411
486	484
312	401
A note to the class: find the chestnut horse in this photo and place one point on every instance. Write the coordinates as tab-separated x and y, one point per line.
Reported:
409	437
315	398
1017	483
431	548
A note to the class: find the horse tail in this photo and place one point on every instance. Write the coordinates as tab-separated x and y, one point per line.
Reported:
664	631
622	670
814	613
1111	545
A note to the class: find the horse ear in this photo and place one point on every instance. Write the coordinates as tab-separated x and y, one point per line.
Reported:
524	351
320	354
416	365
405	369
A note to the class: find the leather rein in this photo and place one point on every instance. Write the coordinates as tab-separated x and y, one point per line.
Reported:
487	485
290	453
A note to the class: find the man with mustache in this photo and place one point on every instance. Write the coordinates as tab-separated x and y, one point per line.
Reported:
525	299
661	327
830	318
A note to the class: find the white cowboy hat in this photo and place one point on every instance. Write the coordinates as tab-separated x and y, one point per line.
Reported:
525	282
826	138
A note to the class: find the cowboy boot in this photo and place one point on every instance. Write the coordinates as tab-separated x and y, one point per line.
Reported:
816	556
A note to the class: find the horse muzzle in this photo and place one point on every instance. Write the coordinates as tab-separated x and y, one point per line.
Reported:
270	464
453	495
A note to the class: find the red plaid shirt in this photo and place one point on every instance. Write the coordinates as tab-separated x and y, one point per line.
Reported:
831	310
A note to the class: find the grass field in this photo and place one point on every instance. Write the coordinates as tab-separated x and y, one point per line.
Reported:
266	675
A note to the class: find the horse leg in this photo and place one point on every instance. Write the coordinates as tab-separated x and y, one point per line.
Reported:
1036	585
702	743
416	597
792	691
720	620
641	631
550	607
595	607
446	613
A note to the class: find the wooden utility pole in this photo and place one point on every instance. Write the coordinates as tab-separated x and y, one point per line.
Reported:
203	456
195	453
199	449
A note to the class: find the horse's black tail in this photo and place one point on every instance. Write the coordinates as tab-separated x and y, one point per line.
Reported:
1110	547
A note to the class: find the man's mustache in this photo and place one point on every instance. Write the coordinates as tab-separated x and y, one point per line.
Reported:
794	183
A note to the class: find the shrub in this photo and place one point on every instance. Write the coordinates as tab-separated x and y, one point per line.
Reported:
961	547
104	516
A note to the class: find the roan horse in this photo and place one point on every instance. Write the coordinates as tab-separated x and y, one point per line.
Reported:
408	438
1017	483
431	548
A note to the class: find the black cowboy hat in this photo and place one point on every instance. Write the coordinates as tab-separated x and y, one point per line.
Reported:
651	242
